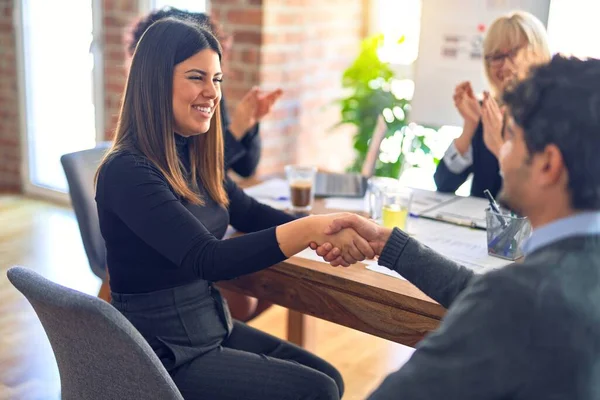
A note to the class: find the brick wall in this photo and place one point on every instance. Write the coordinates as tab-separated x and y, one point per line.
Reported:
117	19
301	46
10	147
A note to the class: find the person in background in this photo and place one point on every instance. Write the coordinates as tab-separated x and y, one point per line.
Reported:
531	330
241	131
512	45
164	203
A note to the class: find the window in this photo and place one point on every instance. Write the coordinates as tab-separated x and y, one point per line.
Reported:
398	19
57	80
188	5
573	27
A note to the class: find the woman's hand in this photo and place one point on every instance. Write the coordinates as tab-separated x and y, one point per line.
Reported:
491	118
470	110
297	235
375	235
265	103
253	107
244	115
466	103
346	244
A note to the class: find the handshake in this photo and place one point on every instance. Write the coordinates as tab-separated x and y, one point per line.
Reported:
345	238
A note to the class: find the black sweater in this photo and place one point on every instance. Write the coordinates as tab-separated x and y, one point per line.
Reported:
241	156
485	169
155	240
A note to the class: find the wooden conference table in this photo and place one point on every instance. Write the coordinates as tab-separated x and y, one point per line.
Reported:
355	297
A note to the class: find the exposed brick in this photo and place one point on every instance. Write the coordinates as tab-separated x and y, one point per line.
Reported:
244	36
10	141
301	46
244	16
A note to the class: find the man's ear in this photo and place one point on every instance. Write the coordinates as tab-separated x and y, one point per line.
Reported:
549	166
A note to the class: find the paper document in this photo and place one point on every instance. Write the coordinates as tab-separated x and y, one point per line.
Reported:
383	270
425	200
274	193
372	265
465	246
468	211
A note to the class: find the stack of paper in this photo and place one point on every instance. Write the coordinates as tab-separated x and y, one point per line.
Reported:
274	193
461	211
372	265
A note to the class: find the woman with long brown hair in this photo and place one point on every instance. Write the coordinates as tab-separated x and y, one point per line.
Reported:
164	203
241	131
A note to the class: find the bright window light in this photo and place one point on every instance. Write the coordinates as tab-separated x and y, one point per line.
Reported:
573	28
397	19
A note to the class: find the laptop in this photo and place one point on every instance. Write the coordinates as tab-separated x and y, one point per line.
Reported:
329	184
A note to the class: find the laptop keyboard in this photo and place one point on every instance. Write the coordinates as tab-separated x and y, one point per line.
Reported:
338	184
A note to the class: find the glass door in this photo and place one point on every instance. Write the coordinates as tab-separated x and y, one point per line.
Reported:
58	56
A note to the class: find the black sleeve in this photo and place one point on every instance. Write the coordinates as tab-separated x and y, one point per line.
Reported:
480	351
248	215
446	180
246	166
242	156
137	192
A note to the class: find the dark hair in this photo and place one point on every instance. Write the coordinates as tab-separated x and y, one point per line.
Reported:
559	103
200	19
146	118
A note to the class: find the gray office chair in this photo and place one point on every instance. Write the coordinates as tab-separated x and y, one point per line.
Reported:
100	355
80	168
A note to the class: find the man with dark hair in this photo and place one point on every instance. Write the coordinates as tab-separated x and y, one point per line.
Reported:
241	131
530	330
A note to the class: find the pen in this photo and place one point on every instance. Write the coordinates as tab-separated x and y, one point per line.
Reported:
495	208
456	221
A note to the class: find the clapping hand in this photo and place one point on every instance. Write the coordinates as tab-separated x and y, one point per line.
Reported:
253	107
491	118
467	104
265	103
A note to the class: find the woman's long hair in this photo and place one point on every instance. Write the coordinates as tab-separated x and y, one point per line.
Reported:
146	118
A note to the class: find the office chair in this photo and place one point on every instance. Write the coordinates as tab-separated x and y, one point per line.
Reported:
100	355
80	168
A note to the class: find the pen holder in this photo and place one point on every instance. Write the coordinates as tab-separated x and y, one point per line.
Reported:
505	234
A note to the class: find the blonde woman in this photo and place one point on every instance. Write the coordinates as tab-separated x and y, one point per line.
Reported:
513	44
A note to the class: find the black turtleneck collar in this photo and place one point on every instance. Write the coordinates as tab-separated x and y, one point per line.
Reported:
181	142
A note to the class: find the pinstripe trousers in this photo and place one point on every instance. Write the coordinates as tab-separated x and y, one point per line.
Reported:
210	358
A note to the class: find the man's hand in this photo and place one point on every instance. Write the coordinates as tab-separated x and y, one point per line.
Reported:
375	235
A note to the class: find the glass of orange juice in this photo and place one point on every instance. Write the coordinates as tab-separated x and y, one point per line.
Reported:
396	207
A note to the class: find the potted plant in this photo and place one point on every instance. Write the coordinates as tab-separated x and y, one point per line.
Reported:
368	82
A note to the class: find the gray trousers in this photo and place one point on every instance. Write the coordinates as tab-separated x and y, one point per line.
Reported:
209	360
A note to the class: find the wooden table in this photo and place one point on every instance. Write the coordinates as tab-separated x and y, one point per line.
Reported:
355	297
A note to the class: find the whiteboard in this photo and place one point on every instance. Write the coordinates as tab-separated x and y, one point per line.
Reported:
451	51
